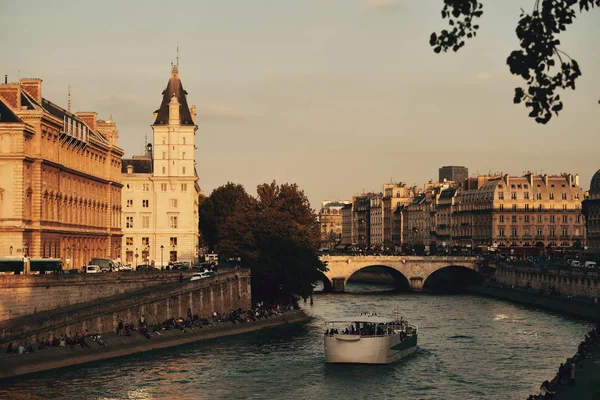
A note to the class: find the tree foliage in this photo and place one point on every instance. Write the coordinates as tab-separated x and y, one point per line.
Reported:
539	61
275	235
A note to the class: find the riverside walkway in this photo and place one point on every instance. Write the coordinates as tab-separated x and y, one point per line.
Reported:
587	379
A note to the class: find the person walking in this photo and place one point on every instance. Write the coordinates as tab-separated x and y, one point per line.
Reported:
180	277
572	375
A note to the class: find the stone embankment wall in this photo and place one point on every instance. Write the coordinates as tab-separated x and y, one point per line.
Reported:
567	281
221	293
22	295
14	365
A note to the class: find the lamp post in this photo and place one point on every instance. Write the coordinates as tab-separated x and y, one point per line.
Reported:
162	249
136	257
85	249
73	254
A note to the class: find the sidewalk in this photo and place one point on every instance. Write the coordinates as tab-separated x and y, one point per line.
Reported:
587	380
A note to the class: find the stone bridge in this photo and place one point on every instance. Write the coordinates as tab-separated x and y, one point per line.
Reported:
414	269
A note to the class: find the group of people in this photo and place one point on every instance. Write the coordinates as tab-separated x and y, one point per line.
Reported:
566	370
67	341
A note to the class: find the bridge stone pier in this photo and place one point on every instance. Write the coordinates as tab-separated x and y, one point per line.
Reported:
414	269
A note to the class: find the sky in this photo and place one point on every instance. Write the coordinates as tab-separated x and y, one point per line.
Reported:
338	96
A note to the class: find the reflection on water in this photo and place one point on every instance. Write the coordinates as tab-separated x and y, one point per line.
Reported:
469	348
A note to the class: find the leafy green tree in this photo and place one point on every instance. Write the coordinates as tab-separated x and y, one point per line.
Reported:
216	209
544	67
275	235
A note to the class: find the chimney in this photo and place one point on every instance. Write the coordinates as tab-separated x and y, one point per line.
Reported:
33	86
149	150
5	79
545	179
577	179
89	118
11	94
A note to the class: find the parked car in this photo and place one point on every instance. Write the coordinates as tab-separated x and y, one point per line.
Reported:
106	264
202	275
590	264
146	267
93	269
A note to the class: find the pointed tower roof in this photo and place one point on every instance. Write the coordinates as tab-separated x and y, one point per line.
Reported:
174	88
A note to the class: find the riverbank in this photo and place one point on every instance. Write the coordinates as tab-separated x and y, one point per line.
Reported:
12	365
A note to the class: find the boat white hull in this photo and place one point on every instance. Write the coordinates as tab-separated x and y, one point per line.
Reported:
354	349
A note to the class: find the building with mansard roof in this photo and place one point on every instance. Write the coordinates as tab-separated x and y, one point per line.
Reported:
60	195
160	188
592	213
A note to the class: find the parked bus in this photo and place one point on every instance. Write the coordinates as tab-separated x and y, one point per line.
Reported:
15	265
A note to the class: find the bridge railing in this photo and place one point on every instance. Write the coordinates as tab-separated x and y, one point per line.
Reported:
398	258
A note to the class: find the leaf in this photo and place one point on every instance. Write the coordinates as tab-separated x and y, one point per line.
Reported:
433	39
437	49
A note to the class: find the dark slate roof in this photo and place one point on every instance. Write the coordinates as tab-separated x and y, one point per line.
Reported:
448	192
61	113
6	114
140	165
174	87
595	183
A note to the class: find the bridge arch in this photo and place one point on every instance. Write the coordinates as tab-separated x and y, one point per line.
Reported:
399	279
451	279
415	269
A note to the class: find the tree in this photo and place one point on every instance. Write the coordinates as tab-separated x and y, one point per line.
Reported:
275	235
540	62
221	205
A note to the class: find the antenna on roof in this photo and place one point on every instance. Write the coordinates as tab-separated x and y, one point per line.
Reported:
69	100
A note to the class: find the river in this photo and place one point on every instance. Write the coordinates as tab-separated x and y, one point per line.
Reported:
469	348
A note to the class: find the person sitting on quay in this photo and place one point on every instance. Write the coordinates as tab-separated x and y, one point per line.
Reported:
545	391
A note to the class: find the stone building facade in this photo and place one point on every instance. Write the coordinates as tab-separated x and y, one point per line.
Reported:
591	208
543	211
347	224
376	221
330	222
160	188
60	193
394	194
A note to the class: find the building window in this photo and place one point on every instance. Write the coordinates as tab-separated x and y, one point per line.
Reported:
526	207
526	195
173	203
164	170
539	218
514	218
551	196
184	187
164	155
564	219
183	141
183	155
501	232
183	170
145	221
145	187
577	232
564	231
513	195
164	141
538	196
564	207
527	218
502	218
129	203
173	221
145	241
129	241
163	187
564	196
540	207
577	195
173	241
539	231
500	195
501	207
129	256
551	231
552	219
578	218
145	203
173	256
129	222
514	207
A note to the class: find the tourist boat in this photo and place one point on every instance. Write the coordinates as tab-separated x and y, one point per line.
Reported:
369	340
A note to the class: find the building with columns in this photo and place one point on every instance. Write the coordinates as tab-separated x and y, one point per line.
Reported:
60	195
160	188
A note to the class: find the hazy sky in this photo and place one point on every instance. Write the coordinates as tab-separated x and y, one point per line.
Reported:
339	96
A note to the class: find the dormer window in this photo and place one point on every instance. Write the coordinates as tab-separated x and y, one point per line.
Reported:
130	169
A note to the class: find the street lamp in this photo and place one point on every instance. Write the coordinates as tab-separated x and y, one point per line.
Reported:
136	257
162	249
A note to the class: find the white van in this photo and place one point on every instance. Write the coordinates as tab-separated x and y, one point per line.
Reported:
590	264
92	269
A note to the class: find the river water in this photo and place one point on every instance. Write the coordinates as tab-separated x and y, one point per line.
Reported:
469	348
